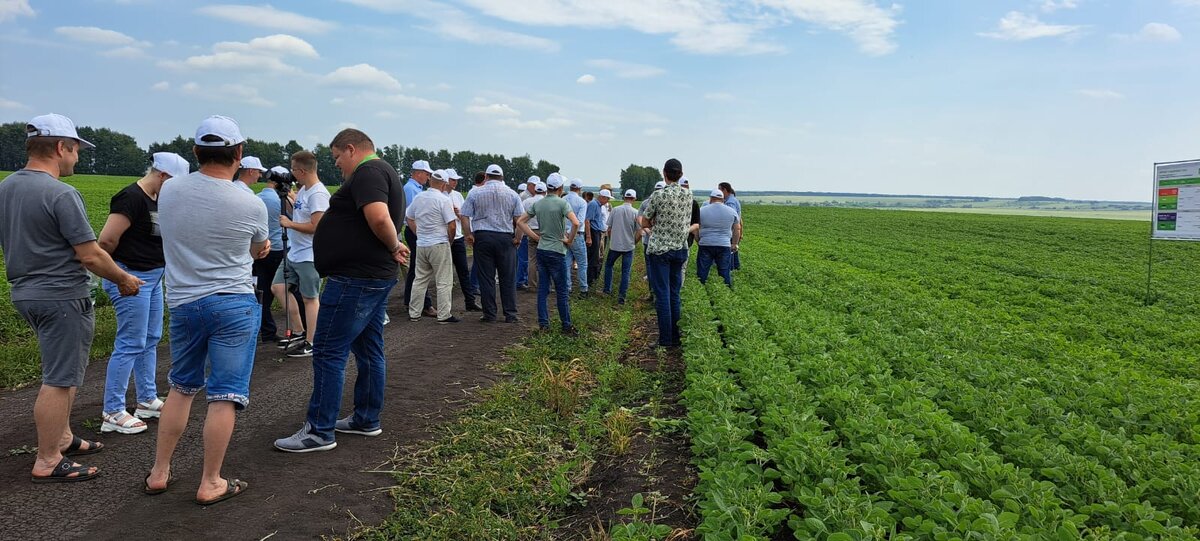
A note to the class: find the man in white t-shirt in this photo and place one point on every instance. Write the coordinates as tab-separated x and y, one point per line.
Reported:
297	269
458	246
432	216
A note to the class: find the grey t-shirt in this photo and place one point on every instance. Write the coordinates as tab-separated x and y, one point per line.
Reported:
41	220
716	224
623	224
207	226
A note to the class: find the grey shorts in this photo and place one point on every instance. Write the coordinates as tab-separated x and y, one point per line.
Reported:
64	330
301	273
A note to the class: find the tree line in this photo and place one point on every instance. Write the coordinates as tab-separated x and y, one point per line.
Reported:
117	153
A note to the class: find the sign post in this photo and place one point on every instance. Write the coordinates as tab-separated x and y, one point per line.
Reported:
1176	210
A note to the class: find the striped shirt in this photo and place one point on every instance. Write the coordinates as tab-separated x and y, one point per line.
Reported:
492	207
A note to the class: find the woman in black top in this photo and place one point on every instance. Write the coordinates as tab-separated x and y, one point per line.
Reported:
131	235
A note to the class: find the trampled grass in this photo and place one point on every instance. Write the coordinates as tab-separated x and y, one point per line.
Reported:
922	375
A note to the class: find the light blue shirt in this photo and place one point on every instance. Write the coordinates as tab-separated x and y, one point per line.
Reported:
595	217
716	224
492	207
732	202
579	206
270	198
412	189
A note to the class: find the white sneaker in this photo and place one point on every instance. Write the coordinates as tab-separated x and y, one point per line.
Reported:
150	410
123	423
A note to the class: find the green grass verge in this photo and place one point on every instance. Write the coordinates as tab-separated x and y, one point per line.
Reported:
513	463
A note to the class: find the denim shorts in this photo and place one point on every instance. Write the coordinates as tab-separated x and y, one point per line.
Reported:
217	333
64	330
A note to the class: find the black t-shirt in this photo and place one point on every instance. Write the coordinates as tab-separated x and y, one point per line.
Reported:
140	247
344	244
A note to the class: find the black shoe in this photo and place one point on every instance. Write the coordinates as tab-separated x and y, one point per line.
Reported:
523	287
621	302
268	338
285	343
583	294
305	349
487	319
512	319
570	331
473	308
450	319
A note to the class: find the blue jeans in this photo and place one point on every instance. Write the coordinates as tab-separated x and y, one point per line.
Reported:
139	328
666	279
218	332
706	256
350	320
523	262
551	268
735	261
626	268
577	252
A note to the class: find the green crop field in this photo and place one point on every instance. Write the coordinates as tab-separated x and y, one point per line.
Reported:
1113	210
912	375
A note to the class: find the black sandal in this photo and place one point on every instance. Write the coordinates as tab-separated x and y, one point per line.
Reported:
154	491
76	447
63	473
232	488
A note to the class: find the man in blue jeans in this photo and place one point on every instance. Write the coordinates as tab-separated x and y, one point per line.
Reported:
214	313
623	234
577	250
357	247
720	231
552	214
668	215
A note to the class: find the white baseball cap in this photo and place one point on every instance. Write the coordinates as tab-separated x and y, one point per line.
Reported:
539	187
576	183
717	193
606	193
171	164
521	187
684	182
495	170
280	170
439	175
534	179
54	125
452	174
631	193
554	181
422	165
660	185
251	162
225	128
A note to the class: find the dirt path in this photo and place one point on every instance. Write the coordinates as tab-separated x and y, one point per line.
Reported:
294	496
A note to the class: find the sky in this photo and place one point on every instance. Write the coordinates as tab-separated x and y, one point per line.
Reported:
1066	98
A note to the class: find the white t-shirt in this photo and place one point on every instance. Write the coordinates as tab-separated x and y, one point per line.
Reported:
528	204
456	201
431	210
309	200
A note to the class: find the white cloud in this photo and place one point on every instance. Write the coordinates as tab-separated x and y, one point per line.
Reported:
450	22
719	96
546	124
492	109
1050	6
412	102
259	54
753	131
1158	32
362	75
709	26
626	70
277	44
227	93
98	36
125	52
10	104
160	86
1017	26
1101	94
337	101
11	9
586	79
266	16
654	132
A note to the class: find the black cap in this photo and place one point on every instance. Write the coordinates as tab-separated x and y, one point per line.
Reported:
673	166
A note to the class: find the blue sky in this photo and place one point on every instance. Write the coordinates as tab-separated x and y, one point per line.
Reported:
1073	98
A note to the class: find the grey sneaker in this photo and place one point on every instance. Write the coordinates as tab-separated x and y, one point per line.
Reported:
347	426
304	441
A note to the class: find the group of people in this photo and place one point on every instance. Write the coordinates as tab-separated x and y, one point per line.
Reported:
331	259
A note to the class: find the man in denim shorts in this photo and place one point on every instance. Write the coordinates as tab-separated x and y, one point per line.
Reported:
47	244
212	231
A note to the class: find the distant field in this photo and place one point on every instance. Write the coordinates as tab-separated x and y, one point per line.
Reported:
1137	215
1116	210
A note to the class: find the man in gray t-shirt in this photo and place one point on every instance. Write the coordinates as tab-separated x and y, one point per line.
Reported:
720	232
47	245
623	234
212	231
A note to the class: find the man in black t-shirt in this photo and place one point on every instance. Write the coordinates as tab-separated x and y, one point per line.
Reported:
357	247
